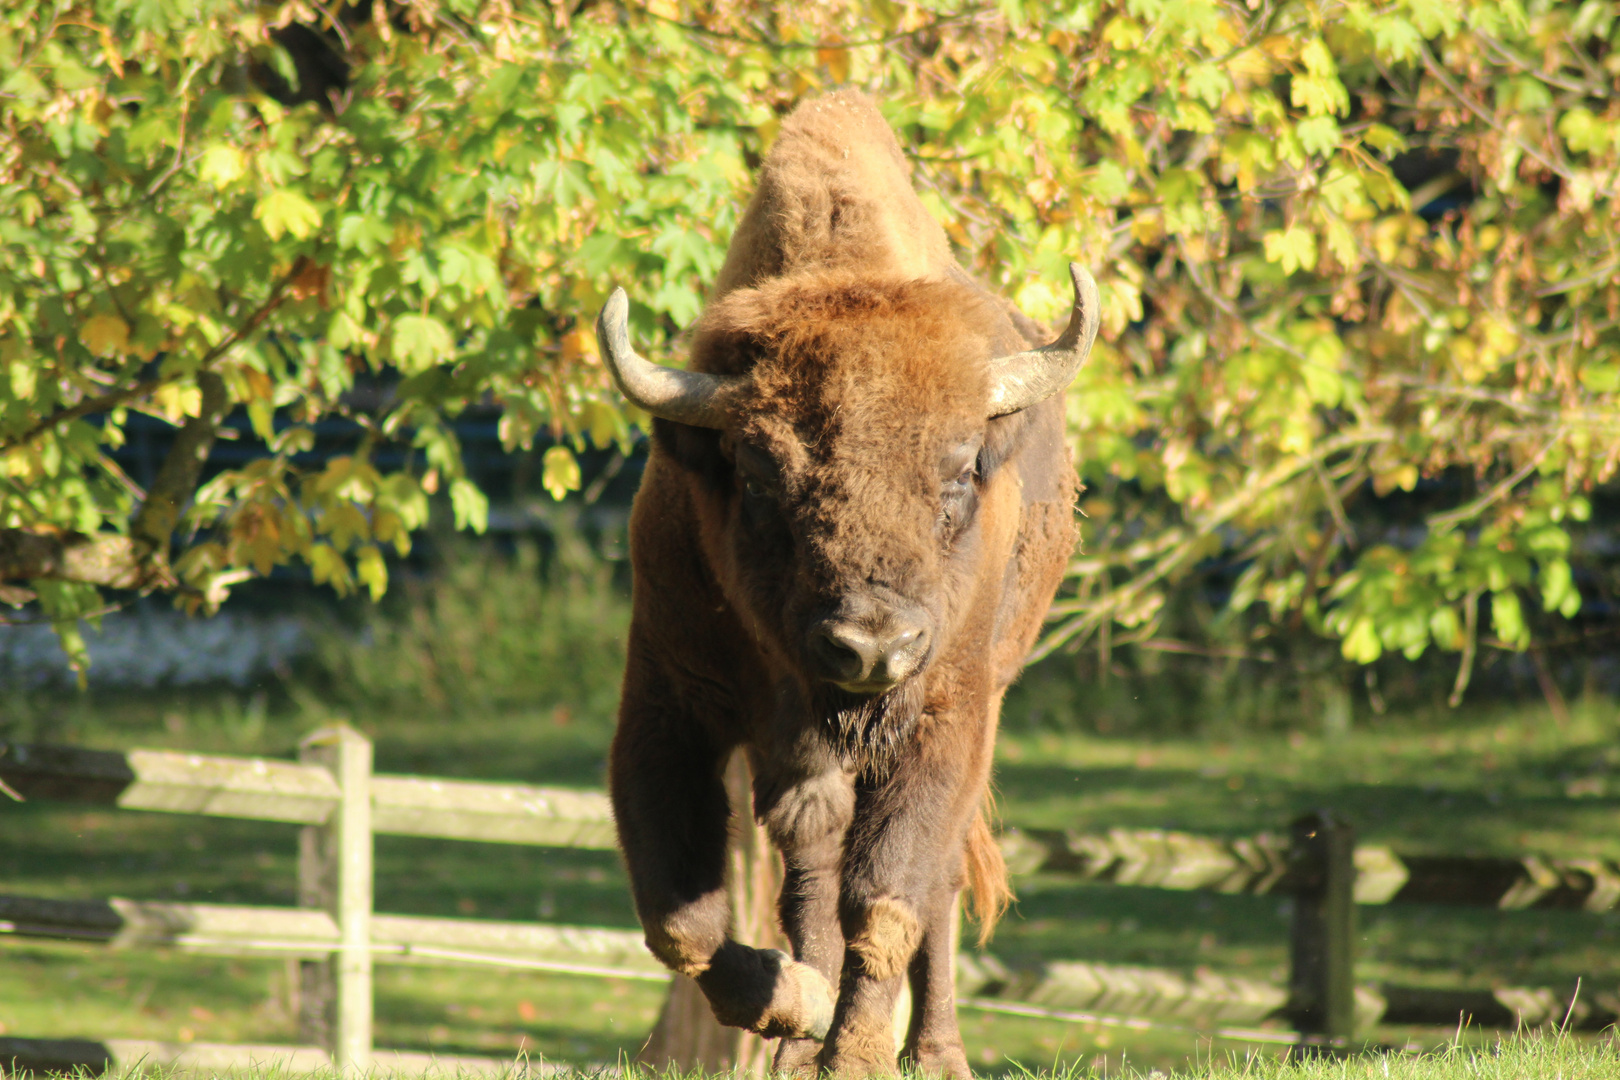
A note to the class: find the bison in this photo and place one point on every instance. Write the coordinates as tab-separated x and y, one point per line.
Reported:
857	506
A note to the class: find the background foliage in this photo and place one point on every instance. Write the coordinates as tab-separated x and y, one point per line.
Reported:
1347	251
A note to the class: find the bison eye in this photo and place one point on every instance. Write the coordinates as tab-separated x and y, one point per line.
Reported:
755	489
956	499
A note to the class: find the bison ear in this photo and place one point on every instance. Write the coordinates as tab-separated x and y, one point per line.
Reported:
1025	378
696	450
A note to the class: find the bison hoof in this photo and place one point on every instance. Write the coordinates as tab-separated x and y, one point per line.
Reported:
801	1002
768	992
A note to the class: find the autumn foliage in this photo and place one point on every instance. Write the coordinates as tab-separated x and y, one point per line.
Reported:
1346	250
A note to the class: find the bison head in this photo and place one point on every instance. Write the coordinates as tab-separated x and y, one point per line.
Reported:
847	429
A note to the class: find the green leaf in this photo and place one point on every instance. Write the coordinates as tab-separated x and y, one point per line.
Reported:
1361	644
1318	135
285	211
470	505
1294	248
328	567
421	342
1507	618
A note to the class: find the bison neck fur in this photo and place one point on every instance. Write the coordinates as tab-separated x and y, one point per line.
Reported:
840	582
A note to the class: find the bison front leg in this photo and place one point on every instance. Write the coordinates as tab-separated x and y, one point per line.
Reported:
901	875
670	803
807	809
933	1040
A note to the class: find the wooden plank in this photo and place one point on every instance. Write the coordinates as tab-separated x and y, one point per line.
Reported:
402	939
455	1066
493	813
135	1057
1162	859
78	920
1508	1007
261	789
256	788
305	793
1321	982
335	871
30	1057
208	929
138	1056
239	930
62	772
266	789
1201	999
224	929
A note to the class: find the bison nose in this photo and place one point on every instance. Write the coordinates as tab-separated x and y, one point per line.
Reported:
867	661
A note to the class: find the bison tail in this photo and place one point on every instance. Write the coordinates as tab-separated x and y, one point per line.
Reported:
986	874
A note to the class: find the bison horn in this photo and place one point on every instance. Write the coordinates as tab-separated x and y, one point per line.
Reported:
687	397
1022	379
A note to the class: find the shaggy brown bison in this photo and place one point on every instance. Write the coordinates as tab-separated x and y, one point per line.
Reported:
856	509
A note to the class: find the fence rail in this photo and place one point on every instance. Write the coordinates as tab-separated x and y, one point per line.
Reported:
1156	858
264	789
332	793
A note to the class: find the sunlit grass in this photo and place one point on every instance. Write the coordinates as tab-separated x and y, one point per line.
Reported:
1550	1056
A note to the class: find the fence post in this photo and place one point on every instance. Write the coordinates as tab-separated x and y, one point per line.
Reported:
334	873
1322	872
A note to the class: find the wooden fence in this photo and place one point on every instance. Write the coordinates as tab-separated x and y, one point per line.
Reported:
332	793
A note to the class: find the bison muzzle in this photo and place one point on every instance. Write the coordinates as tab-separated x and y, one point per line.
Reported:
856	509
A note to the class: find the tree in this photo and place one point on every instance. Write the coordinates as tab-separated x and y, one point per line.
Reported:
1343	246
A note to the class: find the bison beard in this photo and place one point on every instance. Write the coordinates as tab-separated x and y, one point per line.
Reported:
869	732
856	510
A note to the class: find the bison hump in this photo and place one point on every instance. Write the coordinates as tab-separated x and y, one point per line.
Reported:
835	193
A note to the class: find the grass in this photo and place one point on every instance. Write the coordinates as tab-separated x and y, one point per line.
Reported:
1537	1056
1487	780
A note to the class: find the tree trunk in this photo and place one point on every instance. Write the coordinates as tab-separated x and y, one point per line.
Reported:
687	1037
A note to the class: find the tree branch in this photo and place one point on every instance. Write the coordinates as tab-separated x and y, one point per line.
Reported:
1088	617
105	559
177	479
808	46
1440	523
115	398
1435	68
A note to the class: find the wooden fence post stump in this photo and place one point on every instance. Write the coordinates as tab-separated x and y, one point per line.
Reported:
686	1036
335	874
1322	876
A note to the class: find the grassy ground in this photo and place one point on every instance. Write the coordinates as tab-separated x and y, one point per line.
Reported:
1493	783
1515	1057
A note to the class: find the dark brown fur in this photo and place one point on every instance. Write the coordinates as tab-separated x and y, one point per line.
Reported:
835	490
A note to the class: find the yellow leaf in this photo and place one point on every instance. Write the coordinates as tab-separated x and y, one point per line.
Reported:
176	401
105	335
602	423
373	571
22	380
222	165
837	61
559	472
579	344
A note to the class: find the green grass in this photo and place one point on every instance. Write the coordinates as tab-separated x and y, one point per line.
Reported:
1550	1056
